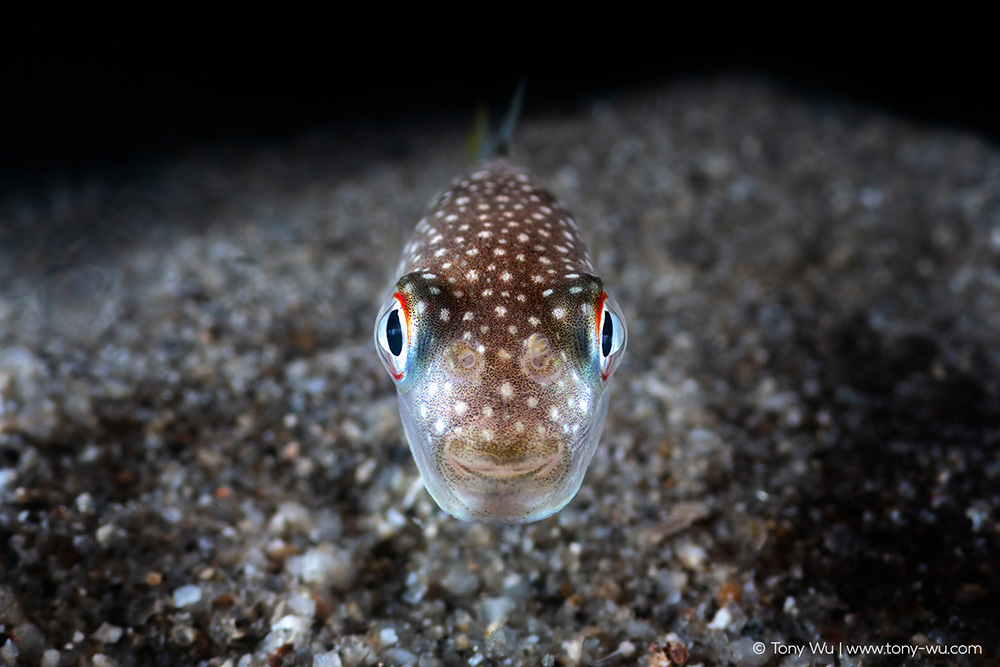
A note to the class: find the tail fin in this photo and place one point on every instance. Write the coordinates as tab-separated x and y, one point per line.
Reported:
481	146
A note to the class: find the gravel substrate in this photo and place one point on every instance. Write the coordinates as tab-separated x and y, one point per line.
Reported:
201	461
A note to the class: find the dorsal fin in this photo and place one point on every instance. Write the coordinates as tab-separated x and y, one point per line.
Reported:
482	147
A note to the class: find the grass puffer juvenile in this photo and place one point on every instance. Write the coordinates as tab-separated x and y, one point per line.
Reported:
501	342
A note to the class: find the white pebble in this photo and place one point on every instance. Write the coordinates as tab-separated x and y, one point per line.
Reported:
302	605
388	637
107	633
691	555
328	659
288	630
8	480
185	596
323	565
722	619
495	610
291	518
51	658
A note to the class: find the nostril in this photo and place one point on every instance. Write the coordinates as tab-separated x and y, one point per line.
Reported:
461	358
539	361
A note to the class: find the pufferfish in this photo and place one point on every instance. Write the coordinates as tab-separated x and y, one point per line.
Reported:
501	342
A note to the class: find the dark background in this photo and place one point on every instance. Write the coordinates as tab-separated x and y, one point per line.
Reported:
82	91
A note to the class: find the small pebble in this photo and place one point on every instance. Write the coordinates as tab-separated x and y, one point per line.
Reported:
401	657
185	596
722	619
9	652
302	605
323	566
107	633
328	659
288	630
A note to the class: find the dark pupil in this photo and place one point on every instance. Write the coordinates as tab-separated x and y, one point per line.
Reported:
394	333
607	334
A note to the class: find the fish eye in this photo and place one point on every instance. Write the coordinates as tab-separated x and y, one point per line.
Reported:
611	335
392	335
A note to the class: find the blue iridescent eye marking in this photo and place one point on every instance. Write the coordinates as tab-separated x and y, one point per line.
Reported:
501	341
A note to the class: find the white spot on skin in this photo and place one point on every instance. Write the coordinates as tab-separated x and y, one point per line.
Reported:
461	407
486	435
519	427
472	275
444	315
554	413
532	402
507	391
558	313
439	426
500	310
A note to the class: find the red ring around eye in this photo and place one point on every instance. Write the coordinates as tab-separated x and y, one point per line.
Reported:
401	300
600	320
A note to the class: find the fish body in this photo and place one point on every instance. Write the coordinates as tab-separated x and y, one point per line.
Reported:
501	342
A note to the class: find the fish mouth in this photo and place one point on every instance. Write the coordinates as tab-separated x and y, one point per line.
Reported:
487	469
504	460
504	482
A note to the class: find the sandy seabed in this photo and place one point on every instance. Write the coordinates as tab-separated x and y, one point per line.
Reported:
201	462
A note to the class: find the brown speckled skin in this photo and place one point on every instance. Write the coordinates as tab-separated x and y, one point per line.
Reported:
501	397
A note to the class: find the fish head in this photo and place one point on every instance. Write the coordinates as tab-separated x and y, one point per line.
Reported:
503	393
